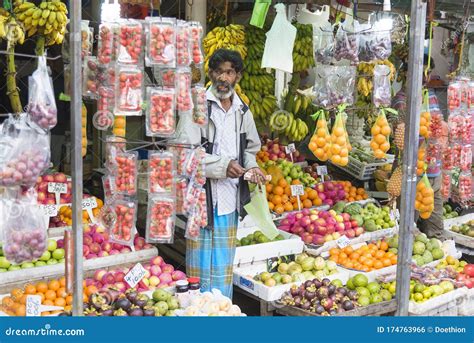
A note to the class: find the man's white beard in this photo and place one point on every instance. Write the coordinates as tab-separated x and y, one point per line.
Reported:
220	95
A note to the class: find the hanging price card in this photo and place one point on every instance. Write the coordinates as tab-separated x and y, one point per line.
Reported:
322	170
342	242
135	275
88	204
297	190
290	148
57	188
50	210
33	305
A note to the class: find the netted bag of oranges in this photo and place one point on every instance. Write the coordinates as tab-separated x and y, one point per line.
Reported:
320	143
424	201
420	163
425	118
380	131
340	145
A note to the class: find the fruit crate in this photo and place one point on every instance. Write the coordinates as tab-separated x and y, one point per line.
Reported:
446	304
292	244
460	239
18	278
364	171
466	308
243	278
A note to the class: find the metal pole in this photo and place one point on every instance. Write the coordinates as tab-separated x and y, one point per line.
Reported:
76	155
412	128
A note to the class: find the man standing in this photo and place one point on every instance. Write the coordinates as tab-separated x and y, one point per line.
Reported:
232	142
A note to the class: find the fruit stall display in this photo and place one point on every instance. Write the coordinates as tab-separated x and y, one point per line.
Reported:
272	150
461	230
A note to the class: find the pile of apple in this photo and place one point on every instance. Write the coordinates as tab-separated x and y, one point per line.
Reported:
46	198
318	227
96	243
158	275
54	254
272	150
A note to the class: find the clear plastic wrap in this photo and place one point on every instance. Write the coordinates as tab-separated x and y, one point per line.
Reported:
161	40
41	102
108	43
446	177
470	95
123	217
456	123
194	161
90	79
24	231
161	216
160	113
465	186
200	105
466	134
129	91
181	154
334	85
24	152
181	188
323	44
183	42
197	218
347	43
434	154
454	95
184	102
448	158
382	90
108	184
87	39
195	28
103	119
167	77
126	173
375	42
465	159
161	172
130	42
113	146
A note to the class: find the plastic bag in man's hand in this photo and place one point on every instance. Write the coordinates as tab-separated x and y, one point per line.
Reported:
41	102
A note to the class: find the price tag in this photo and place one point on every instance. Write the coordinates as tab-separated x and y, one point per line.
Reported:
342	242
88	204
297	190
33	305
290	148
57	187
322	170
50	210
135	275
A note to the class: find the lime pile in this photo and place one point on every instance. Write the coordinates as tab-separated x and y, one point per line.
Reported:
369	292
257	238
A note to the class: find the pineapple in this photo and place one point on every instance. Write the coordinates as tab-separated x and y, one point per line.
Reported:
400	136
394	186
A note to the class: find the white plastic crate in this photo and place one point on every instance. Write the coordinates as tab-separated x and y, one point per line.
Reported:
466	307
444	305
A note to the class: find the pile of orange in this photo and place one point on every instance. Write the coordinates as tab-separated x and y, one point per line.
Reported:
366	258
65	213
280	199
52	293
424	201
353	193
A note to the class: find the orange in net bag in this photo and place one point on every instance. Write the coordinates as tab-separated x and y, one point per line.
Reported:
424	200
320	143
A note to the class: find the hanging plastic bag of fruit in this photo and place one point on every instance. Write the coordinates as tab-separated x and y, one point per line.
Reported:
278	52
323	43
24	230
347	42
41	103
425	119
160	219
259	211
424	200
381	95
380	131
339	140
24	152
320	143
465	186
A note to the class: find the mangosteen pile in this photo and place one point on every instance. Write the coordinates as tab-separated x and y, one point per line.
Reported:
321	297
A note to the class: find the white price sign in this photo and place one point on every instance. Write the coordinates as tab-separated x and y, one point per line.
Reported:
322	170
33	305
297	190
57	187
290	148
88	204
342	242
135	275
50	210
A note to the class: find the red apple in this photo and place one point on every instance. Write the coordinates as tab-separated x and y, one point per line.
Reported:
350	233
158	261
60	177
95	248
106	246
359	231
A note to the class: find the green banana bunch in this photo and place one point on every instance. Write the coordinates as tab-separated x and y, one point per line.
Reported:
298	104
303	53
49	18
285	123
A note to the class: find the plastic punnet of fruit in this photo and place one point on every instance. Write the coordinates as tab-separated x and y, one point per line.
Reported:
320	143
380	134
424	202
339	140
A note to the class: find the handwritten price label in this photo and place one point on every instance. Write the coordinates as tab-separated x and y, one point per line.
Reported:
322	170
50	210
297	190
33	305
56	187
342	242
89	203
290	148
135	275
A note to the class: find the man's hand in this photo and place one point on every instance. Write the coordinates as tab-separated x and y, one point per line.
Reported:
257	176
235	170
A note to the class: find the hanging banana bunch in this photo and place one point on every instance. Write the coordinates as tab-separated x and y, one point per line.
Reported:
49	18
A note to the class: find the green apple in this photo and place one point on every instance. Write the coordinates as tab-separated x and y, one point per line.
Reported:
46	256
58	254
3	270
52	261
62	260
4	263
14	267
40	264
52	245
27	265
